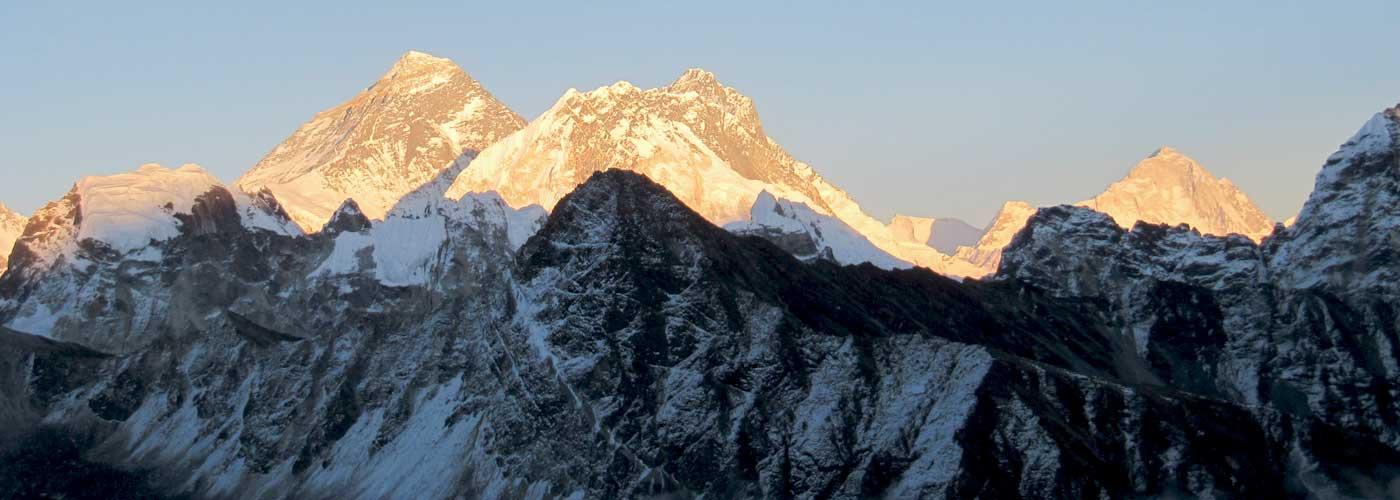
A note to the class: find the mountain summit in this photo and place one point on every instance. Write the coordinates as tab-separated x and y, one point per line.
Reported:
1167	187
395	136
700	139
1170	188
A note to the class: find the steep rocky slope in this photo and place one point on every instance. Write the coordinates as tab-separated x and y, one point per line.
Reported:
389	140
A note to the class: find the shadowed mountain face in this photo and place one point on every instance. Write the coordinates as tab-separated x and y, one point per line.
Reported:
630	348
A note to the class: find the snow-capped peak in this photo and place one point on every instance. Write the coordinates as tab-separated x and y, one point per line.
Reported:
424	114
129	210
702	140
1169	187
986	255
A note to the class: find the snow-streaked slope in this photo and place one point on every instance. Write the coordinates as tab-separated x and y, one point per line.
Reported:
11	225
389	140
1349	229
986	255
699	138
1171	188
410	246
808	235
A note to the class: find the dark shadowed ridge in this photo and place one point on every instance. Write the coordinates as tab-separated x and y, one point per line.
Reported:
633	217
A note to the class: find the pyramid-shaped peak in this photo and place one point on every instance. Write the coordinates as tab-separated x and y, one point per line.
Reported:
347	218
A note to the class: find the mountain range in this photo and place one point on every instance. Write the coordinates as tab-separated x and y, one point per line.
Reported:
639	293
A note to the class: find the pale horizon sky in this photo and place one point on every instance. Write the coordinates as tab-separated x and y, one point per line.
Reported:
913	107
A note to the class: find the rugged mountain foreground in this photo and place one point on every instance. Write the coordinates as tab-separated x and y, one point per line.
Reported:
623	346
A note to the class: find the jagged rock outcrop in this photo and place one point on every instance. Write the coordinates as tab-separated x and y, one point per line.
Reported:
400	133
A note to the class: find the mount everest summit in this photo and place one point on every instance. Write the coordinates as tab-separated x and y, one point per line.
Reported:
640	294
389	140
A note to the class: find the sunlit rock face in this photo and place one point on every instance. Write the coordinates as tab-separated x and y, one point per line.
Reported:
986	254
11	226
389	140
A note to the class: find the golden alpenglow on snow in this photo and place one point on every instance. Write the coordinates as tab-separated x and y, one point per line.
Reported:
1170	188
392	138
1167	187
700	139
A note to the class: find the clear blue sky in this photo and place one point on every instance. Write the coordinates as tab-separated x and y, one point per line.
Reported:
914	107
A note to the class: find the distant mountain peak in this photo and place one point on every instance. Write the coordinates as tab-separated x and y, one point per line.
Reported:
423	115
1171	188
